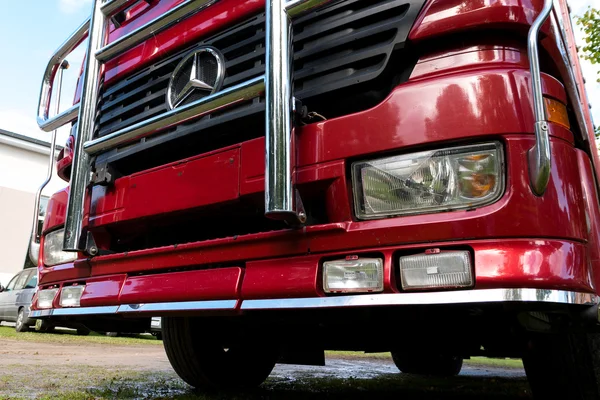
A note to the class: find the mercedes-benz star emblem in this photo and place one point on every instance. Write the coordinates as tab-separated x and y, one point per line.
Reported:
198	75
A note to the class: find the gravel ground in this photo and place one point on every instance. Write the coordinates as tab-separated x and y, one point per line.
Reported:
61	369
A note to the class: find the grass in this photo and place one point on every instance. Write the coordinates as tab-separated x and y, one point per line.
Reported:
474	361
152	386
389	386
495	362
64	336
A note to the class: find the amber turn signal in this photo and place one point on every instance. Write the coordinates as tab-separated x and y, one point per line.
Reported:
557	112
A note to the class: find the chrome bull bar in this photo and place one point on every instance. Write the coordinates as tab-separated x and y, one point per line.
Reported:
539	155
281	200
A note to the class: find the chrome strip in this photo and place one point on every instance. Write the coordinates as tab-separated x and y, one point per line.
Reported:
279	136
220	100
539	155
180	306
296	7
109	7
429	298
136	308
57	312
81	167
44	122
148	30
34	242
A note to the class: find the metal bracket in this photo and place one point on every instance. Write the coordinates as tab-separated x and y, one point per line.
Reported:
92	249
104	175
90	245
299	210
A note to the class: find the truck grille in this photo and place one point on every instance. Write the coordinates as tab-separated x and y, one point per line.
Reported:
345	44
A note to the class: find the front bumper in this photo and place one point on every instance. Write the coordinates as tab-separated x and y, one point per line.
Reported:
510	270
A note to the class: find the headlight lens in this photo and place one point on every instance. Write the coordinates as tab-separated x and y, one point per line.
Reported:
429	181
53	245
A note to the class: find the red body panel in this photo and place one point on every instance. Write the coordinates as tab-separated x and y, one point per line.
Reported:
196	182
442	16
465	94
215	284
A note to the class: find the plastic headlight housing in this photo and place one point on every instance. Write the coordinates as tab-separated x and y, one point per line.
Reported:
53	249
353	275
70	296
46	298
429	181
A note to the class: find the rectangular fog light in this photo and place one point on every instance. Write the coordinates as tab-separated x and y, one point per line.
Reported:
71	295
353	275
46	298
448	269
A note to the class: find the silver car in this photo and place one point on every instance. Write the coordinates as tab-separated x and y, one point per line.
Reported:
15	299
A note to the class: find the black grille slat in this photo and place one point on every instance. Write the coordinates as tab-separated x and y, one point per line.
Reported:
109	116
244	76
125	98
337	41
315	29
343	44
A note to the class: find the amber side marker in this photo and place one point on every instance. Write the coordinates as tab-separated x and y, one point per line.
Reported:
557	112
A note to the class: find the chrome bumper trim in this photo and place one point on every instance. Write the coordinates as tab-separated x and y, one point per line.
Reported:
57	312
181	306
137	308
430	298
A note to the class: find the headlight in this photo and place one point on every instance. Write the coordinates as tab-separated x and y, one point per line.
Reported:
53	245
429	181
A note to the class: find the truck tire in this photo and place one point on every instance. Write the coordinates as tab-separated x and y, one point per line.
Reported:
83	331
427	364
200	359
43	326
21	325
564	366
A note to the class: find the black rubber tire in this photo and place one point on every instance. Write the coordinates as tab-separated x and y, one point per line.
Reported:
427	364
83	331
564	366
21	325
198	357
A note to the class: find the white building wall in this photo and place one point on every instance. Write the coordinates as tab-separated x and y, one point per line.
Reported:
22	170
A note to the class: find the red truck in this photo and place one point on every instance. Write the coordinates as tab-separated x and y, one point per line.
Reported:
280	178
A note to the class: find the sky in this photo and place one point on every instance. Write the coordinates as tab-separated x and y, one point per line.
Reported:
31	30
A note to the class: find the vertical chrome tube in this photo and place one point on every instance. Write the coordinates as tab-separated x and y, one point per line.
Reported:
34	245
81	169
279	194
539	155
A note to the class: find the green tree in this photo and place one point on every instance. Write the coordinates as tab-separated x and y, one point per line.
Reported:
590	24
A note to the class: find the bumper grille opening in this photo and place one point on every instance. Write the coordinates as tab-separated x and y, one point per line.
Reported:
238	218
